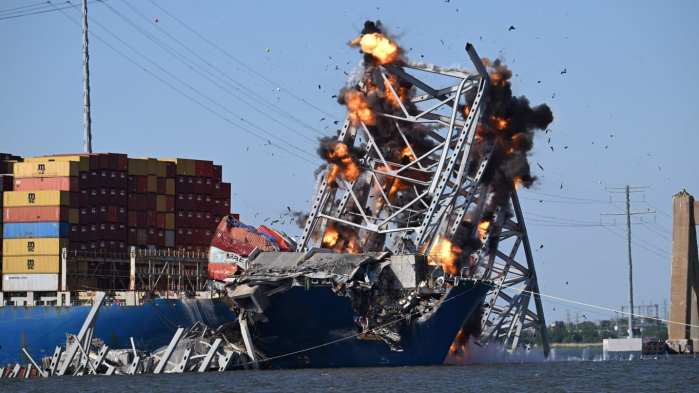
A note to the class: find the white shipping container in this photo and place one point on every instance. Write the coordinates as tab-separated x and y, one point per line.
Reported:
169	238
29	282
216	255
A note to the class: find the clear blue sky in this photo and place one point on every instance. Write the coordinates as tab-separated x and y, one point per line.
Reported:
626	107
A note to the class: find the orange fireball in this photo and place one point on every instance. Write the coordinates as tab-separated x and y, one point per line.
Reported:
380	47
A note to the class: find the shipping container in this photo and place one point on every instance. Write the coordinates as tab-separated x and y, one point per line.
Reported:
47	184
82	160
46	169
218	172
36	198
152	183
31	264
6	182
29	282
40	213
138	166
169	238
33	246
183	166
203	168
14	230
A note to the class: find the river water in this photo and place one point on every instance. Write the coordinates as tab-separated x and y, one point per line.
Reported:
660	375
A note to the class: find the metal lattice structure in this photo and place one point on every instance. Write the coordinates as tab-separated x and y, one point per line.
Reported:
440	189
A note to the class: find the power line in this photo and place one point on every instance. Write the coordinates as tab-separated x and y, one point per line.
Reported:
656	231
195	68
256	96
243	64
197	91
582	199
30	13
184	60
25	8
564	202
655	250
175	88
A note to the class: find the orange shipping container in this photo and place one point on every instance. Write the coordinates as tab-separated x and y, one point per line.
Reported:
47	184
40	214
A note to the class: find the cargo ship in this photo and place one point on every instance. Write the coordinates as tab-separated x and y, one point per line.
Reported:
40	329
138	228
325	309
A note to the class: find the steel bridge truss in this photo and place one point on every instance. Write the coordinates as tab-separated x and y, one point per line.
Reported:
437	193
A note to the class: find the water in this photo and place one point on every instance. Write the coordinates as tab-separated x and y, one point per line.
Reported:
666	375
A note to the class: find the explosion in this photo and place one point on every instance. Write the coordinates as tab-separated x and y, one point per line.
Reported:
341	161
341	239
510	122
483	229
445	254
380	47
391	85
358	108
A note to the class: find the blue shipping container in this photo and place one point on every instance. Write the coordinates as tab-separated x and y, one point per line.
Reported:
15	230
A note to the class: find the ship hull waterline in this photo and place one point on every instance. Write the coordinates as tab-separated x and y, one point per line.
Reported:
315	328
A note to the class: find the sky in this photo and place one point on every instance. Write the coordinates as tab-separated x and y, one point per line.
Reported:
250	85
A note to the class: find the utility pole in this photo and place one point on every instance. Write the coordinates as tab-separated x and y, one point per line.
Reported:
627	190
628	243
87	119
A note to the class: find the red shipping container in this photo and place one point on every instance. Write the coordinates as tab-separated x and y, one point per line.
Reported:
74	234
47	183
225	191
204	168
161	185
138	183
35	213
121	161
131	239
184	184
160	220
218	172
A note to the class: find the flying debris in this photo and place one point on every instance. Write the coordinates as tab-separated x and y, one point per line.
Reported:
510	28
397	253
564	71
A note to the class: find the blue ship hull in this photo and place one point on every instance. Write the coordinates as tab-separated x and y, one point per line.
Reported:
299	319
40	329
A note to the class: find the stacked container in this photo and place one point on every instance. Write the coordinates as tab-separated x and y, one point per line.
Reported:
103	203
201	200
151	203
7	162
37	223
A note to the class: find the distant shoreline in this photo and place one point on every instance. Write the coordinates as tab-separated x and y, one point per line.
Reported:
576	345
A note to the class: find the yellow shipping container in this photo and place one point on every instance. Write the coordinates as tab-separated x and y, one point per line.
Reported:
31	264
161	203
170	221
185	167
46	168
82	160
138	166
74	216
33	246
152	184
36	198
156	167
169	186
